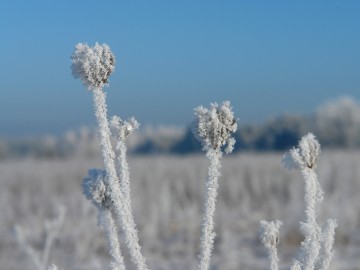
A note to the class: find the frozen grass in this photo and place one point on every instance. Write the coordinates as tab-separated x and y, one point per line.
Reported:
167	200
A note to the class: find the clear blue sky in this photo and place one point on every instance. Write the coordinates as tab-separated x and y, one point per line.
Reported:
266	57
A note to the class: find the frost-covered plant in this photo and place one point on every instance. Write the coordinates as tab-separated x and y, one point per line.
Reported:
94	66
269	236
214	128
305	157
316	249
95	189
52	229
327	244
121	130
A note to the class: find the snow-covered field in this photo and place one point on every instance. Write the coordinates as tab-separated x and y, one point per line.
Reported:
167	199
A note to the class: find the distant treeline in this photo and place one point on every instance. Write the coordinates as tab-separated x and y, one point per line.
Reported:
336	125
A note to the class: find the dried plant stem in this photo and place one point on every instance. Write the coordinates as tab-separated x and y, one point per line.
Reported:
208	234
32	254
327	244
107	222
124	175
269	236
121	209
310	247
274	259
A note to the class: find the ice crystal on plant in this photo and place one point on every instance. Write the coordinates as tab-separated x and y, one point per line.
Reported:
95	188
213	127
93	65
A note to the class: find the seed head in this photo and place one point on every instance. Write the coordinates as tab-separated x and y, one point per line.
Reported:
93	65
269	232
95	188
213	127
305	155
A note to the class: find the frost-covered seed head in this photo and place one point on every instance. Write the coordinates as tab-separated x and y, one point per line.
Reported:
269	233
213	127
305	155
121	128
93	65
95	188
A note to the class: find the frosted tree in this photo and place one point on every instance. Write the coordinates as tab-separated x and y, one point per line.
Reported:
213	128
93	65
316	249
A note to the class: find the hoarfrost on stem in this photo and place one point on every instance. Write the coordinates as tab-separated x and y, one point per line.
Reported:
269	236
121	130
96	189
327	244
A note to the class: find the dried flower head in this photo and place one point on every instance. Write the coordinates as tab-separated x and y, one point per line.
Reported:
121	128
92	65
95	188
213	127
305	155
269	233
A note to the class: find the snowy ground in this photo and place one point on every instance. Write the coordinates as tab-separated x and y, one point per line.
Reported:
167	197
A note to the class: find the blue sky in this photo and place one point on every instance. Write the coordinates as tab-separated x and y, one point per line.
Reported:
266	57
